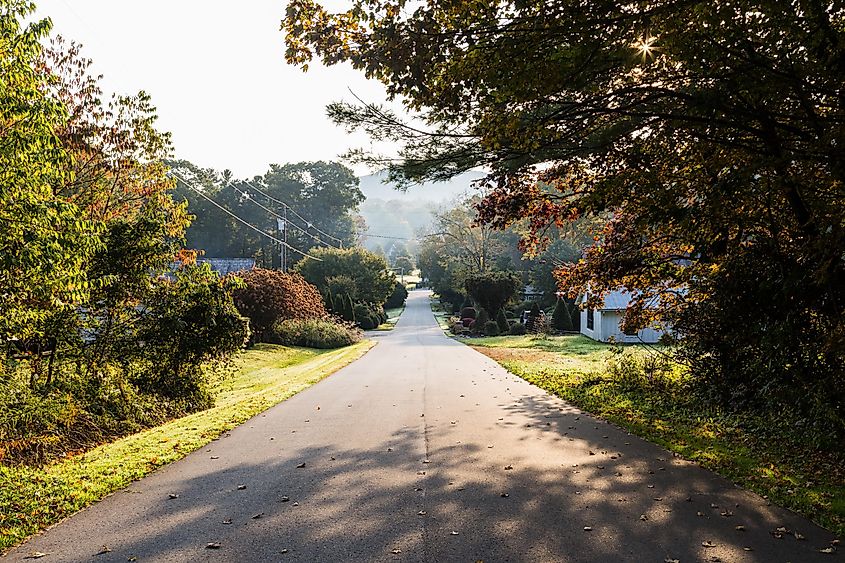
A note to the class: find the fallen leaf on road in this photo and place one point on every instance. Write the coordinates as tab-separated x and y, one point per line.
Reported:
257	516
285	550
213	545
827	550
241	487
799	536
504	495
173	495
396	551
301	465
746	548
453	533
104	549
667	560
421	513
227	521
35	555
740	528
588	528
592	452
508	467
708	544
215	457
285	499
643	517
426	461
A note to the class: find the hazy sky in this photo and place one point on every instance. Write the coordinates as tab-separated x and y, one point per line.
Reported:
216	72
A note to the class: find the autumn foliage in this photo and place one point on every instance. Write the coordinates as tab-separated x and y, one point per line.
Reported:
269	296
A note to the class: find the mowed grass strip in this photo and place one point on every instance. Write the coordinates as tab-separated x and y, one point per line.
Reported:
33	498
768	454
392	318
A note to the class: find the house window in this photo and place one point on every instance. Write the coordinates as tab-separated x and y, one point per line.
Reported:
591	321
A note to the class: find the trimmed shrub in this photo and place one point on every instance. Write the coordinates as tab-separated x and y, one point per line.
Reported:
517	329
269	296
480	321
502	321
491	328
491	291
366	316
468	313
315	333
562	317
397	298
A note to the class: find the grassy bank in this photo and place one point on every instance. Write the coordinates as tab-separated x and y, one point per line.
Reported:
32	498
764	453
392	318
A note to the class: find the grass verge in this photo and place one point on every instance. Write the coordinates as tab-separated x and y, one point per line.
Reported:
33	498
766	453
392	318
440	314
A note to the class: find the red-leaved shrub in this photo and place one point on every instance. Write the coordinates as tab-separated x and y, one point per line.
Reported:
270	296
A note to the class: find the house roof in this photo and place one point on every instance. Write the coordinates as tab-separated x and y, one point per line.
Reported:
225	266
616	300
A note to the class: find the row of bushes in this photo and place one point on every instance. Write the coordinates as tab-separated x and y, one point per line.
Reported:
315	333
285	308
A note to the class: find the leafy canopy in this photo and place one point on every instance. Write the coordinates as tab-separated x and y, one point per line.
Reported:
373	282
708	134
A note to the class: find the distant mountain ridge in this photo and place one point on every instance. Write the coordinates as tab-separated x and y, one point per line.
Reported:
434	192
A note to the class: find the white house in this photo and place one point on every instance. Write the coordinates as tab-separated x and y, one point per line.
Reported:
602	324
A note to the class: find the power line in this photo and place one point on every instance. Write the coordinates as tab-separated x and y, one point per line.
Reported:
250	225
246	195
292	210
385	236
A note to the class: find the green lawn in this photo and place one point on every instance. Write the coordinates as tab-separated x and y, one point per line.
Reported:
32	498
392	318
763	453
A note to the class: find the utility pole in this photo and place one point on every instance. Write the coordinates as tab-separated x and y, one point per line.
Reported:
283	234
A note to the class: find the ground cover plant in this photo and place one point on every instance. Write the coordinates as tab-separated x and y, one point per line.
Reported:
33	497
642	390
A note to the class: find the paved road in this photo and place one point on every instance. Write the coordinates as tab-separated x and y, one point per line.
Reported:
425	450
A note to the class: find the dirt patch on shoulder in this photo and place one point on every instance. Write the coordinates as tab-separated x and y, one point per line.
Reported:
518	354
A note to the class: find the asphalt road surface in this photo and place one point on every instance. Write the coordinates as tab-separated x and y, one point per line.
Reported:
425	450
